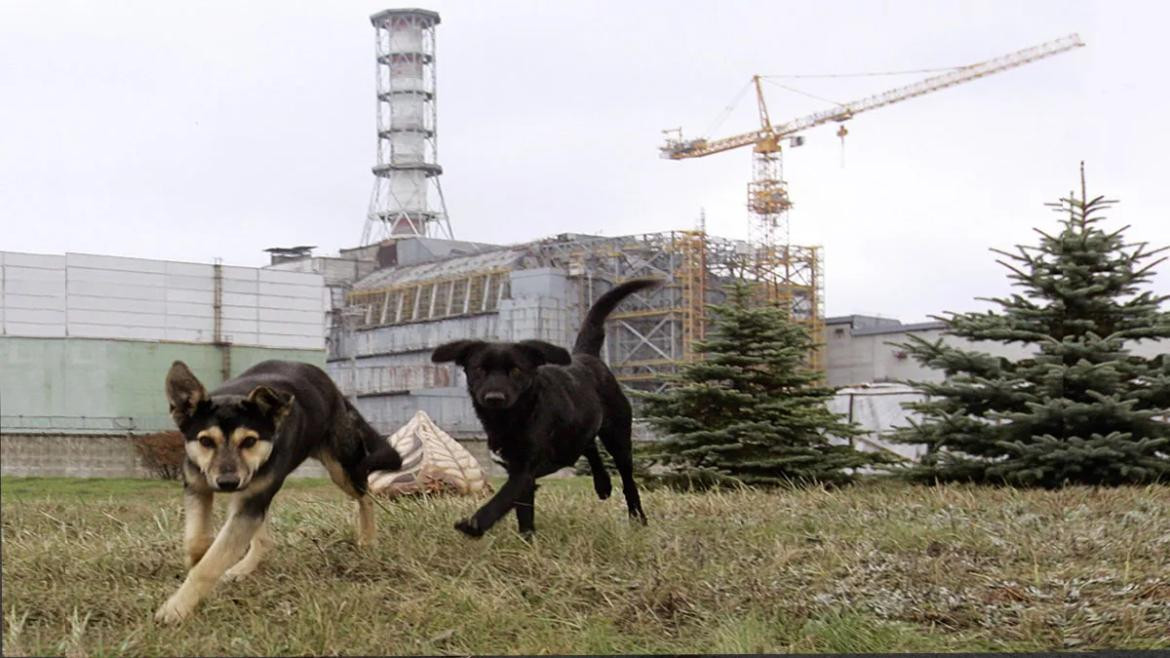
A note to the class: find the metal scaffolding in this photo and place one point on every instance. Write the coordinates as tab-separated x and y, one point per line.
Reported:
655	331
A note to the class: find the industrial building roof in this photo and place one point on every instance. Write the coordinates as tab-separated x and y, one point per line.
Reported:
899	328
870	325
506	258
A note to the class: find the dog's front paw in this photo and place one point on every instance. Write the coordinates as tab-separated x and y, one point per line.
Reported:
603	488
175	610
469	527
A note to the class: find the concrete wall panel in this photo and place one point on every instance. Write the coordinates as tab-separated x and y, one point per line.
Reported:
240	313
14	328
204	297
315	303
101	380
25	273
35	288
285	328
187	335
116	318
86	303
82	330
240	325
450	408
291	278
289	341
240	286
96	261
189	269
189	309
280	315
32	301
189	282
191	322
114	290
246	300
40	261
35	316
141	299
117	277
235	272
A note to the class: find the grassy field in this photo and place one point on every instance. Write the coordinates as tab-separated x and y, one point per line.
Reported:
878	567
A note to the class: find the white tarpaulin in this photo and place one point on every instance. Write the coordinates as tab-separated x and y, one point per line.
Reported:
432	462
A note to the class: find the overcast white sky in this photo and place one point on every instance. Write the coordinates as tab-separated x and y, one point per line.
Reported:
195	130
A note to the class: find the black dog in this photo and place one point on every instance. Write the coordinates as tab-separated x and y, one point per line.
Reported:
244	438
542	408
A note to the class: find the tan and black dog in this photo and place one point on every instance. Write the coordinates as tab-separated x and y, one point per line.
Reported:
243	439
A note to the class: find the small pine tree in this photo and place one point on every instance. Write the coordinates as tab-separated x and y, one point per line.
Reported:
1082	408
750	409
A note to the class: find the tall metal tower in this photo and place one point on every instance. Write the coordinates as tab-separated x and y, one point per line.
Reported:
401	203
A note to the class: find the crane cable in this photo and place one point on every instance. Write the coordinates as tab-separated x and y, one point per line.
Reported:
867	74
722	116
803	93
771	79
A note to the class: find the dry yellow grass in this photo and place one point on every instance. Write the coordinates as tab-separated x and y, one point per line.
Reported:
878	567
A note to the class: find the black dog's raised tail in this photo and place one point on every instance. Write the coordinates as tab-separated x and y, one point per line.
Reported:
592	332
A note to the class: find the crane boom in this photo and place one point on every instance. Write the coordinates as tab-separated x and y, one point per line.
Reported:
677	149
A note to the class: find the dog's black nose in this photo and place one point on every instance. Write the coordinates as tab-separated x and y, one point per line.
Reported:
494	399
227	482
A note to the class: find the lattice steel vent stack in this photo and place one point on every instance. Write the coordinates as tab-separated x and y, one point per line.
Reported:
407	199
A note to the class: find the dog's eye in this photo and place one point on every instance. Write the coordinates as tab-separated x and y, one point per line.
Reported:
248	442
206	442
515	372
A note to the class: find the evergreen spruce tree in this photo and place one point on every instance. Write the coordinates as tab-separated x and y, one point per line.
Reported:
750	409
1082	408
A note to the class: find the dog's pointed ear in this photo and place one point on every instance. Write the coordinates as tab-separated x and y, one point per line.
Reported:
184	392
546	352
272	403
458	351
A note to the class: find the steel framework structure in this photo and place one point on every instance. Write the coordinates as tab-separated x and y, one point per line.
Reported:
408	143
654	332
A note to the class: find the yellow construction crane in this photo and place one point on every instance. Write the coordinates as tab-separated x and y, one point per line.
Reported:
767	193
792	276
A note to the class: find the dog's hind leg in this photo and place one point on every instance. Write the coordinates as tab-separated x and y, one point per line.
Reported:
345	478
616	439
601	482
367	530
261	542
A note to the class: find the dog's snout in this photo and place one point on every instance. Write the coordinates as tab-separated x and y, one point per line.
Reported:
494	398
228	482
